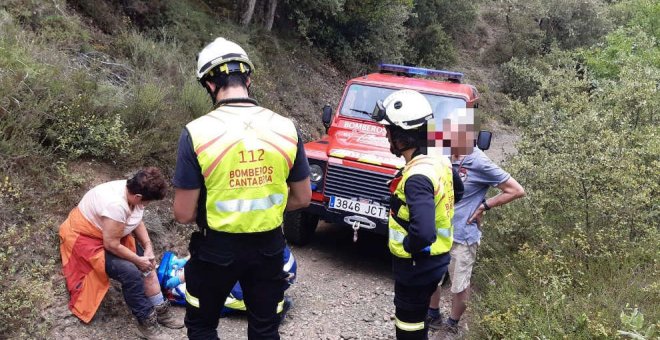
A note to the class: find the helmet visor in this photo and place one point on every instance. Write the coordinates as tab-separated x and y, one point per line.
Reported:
378	113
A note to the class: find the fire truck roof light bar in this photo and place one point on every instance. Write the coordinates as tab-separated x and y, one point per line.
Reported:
453	76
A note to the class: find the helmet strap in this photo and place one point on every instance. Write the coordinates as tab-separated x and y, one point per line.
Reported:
419	151
399	152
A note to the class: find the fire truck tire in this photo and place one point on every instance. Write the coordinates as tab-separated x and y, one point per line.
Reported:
299	227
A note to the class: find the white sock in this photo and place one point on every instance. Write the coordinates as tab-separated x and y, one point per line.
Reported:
156	299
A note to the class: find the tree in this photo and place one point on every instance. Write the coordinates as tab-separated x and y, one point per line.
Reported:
270	18
353	33
246	17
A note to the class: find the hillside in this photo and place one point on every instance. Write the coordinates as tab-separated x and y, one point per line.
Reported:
92	90
90	96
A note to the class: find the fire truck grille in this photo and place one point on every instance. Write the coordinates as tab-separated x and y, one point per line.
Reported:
356	183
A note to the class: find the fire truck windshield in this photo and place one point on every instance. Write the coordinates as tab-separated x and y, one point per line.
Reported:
361	99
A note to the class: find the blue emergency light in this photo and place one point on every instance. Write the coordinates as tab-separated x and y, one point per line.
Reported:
410	70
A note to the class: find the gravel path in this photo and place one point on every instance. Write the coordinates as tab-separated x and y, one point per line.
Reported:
344	290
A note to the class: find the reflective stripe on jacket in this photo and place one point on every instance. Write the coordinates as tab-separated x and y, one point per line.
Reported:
439	173
245	154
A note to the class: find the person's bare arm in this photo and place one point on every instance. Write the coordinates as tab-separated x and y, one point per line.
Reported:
142	236
112	234
185	205
300	193
509	191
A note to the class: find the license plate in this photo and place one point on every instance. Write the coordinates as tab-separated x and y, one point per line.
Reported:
361	208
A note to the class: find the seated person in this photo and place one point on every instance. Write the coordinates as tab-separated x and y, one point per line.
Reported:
97	243
172	278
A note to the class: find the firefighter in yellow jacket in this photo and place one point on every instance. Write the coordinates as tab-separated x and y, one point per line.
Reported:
238	169
421	208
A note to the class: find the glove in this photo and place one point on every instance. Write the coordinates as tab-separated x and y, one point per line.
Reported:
425	252
173	282
178	263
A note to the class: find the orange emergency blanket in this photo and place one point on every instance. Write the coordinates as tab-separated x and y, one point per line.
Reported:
83	264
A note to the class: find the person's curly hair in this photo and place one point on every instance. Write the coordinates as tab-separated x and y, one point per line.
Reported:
148	182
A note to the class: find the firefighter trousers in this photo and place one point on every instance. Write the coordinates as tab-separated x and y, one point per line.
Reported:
412	304
208	284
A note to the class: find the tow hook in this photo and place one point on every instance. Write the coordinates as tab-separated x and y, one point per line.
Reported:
358	222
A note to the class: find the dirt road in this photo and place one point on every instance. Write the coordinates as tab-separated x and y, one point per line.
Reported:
344	290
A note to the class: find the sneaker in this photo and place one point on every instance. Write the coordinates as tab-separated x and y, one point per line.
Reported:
434	323
150	329
285	307
166	317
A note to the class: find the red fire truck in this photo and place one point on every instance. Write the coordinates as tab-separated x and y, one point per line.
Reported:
352	164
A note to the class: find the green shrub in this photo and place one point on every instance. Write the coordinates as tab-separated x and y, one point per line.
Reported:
354	32
154	58
146	106
635	325
603	60
80	129
193	25
538	27
574	23
583	244
456	17
194	100
433	49
643	14
25	93
519	79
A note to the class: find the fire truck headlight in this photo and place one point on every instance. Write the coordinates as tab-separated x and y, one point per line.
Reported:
315	173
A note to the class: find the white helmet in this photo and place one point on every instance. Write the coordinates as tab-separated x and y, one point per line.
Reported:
407	109
222	52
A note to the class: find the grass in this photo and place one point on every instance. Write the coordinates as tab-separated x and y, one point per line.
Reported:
78	105
553	295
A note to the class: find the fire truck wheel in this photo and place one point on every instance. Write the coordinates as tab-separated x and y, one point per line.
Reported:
299	227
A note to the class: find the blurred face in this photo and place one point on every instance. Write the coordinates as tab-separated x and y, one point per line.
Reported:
459	137
453	133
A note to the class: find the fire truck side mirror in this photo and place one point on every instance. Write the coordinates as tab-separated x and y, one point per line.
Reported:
326	117
483	139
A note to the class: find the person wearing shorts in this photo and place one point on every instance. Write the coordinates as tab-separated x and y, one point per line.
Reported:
478	173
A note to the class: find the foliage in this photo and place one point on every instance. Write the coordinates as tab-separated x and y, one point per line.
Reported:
632	45
432	47
520	79
432	26
537	27
584	243
354	32
636	326
72	96
109	16
25	287
358	33
563	263
644	14
77	130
